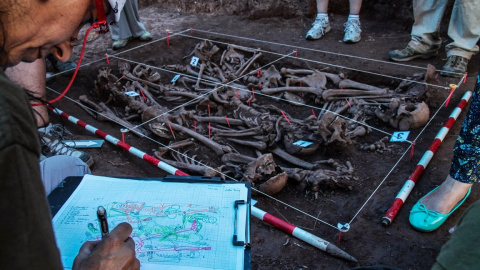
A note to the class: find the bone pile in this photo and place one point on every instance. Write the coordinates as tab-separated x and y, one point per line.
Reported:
223	107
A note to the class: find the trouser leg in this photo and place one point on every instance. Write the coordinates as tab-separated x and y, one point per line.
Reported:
129	24
428	15
54	169
464	28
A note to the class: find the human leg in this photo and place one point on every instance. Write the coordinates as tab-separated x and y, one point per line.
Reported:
464	30
54	169
321	25
128	26
425	41
352	26
464	169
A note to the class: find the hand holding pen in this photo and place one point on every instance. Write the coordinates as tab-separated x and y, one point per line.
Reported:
116	250
102	219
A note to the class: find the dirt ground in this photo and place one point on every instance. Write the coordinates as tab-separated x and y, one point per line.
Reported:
372	244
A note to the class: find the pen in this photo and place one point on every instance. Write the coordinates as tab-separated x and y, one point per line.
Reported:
102	218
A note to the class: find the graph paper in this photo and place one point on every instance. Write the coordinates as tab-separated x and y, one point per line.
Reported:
175	225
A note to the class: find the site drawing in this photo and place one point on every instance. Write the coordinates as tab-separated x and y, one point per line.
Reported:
176	225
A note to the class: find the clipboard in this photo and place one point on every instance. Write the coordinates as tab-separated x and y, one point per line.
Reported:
227	209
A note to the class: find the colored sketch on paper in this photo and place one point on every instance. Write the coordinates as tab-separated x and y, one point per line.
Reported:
176	225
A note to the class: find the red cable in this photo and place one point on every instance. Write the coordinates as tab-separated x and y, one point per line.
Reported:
94	26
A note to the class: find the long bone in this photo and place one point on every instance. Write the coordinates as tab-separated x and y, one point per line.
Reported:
220	120
335	78
146	93
236	158
131	77
202	68
310	90
106	114
173	145
259	145
294	160
216	147
286	71
242	48
190	71
247	64
349	84
330	93
237	133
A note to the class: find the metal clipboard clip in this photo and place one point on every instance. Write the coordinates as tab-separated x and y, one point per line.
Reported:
247	227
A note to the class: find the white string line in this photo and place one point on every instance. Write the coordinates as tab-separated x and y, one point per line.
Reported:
261	192
203	95
197	162
314	50
411	145
380	184
333	65
244	90
119	53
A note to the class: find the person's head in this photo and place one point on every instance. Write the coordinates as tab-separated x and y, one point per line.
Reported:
31	29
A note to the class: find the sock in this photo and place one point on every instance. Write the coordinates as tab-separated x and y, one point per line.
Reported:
354	17
322	15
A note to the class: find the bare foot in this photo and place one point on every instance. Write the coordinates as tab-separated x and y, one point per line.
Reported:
448	194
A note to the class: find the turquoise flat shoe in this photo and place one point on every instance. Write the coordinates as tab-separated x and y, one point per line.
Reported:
426	220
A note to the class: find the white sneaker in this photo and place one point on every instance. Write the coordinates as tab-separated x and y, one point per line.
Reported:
352	31
320	27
